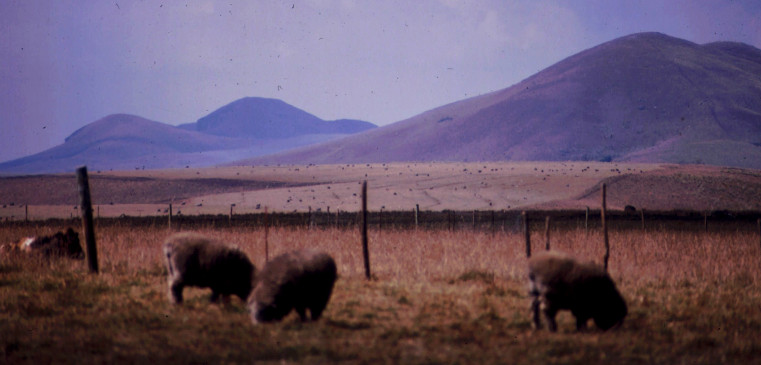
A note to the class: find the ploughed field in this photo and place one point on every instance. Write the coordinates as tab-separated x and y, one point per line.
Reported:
437	296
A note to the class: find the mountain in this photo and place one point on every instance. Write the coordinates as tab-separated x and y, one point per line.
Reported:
123	141
263	118
646	97
233	132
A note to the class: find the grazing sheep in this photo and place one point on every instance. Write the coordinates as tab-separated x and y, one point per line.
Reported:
196	260
298	280
58	245
559	281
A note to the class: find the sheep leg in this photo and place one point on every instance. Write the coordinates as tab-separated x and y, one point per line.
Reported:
316	311
549	314
226	300
175	292
318	305
214	296
302	311
535	305
581	323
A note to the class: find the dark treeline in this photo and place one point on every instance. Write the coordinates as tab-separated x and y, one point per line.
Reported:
509	221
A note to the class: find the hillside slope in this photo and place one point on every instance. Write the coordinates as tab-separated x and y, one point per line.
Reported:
645	97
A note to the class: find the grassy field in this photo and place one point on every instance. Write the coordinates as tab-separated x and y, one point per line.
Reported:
436	297
491	186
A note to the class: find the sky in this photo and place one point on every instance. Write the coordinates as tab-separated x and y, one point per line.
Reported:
67	63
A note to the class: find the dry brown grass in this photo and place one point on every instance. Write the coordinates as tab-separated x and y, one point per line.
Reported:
437	296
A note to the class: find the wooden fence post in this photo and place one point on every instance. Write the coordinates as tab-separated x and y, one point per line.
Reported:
527	233
474	220
642	218
586	222
365	250
170	216
26	212
547	232
417	212
266	235
87	224
605	228
493	223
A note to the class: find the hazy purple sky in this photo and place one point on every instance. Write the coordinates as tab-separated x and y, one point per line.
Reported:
65	63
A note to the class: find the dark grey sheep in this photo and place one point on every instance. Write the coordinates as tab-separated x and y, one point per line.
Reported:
196	260
61	244
559	281
298	280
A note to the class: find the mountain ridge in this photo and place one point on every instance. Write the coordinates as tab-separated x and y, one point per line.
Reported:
611	102
124	141
263	118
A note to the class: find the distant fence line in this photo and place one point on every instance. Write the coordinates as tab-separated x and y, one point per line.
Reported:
493	221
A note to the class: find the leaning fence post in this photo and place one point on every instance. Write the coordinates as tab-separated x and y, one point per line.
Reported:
365	251
527	233
605	229
87	224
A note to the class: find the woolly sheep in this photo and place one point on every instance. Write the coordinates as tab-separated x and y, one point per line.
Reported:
58	245
559	281
196	260
298	280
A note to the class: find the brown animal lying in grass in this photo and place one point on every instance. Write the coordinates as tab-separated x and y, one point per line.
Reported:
58	245
559	281
298	280
196	260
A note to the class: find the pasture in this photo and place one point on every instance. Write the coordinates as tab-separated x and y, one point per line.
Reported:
486	186
437	296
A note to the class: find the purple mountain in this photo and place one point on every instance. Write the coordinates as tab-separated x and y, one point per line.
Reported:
645	97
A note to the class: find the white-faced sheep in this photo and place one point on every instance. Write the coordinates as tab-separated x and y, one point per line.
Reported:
196	260
559	281
297	280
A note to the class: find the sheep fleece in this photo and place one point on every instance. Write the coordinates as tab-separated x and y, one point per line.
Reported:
297	280
559	281
196	260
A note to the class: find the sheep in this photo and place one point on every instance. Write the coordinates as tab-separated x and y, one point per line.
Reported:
298	280
558	281
61	244
196	260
